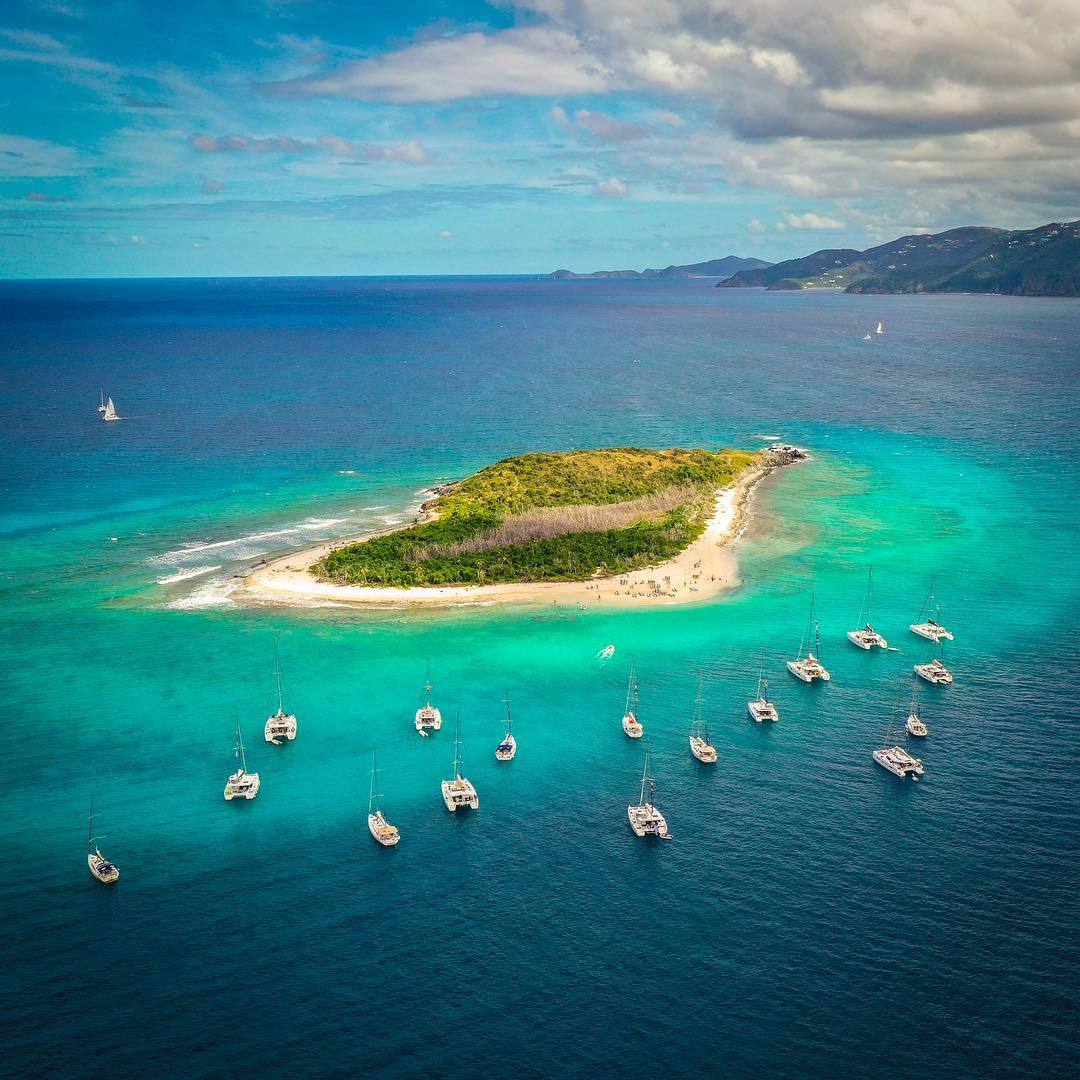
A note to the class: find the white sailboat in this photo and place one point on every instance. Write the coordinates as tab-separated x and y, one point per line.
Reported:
808	668
914	723
931	627
700	746
110	411
457	792
506	750
381	829
630	723
101	407
241	784
896	759
644	817
281	725
867	337
935	672
867	637
762	708
880	328
427	716
100	867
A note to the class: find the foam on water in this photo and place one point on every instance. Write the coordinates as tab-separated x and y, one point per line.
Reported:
183	575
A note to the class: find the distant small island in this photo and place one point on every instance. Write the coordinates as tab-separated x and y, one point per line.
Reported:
550	527
1032	262
714	268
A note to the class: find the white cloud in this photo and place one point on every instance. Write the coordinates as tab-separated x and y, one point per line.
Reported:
612	188
20	156
810	220
411	152
755	226
445	234
532	60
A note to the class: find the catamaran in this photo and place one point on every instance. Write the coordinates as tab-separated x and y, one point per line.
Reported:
281	725
762	709
242	784
867	637
808	667
101	407
630	723
457	792
914	724
506	750
100	867
935	672
109	412
880	328
931	628
378	826
700	746
427	716
895	758
645	819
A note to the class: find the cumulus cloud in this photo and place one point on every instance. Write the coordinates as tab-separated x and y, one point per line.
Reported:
810	220
798	84
612	188
532	60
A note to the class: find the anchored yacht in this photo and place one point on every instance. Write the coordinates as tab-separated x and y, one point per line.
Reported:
895	758
762	709
867	637
457	792
931	627
242	784
281	725
935	672
385	833
808	667
100	867
506	750
427	716
899	762
645	819
700	745
630	723
914	723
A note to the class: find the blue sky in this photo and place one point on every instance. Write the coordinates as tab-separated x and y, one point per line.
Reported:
293	137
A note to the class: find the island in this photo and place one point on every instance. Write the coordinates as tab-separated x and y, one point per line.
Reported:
1019	262
613	526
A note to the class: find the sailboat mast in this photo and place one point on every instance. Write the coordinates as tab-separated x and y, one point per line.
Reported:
427	684
240	752
506	702
631	687
90	830
277	676
371	788
644	776
869	592
457	746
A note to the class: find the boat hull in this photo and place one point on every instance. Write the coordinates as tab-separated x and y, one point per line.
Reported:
427	719
867	639
647	821
102	869
937	676
931	631
807	673
916	727
383	832
762	711
459	795
632	727
246	790
703	751
506	749
899	762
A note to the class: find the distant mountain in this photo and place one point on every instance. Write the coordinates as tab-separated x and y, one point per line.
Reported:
1033	262
717	268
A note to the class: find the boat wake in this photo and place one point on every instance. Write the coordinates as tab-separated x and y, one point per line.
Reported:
195	571
605	654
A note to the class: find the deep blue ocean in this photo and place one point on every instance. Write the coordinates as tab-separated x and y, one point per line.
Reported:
813	917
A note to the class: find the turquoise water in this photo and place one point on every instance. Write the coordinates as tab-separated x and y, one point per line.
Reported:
810	908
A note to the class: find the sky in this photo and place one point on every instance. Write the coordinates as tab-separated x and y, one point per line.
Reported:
225	137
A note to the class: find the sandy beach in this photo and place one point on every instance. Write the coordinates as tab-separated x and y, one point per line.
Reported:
707	567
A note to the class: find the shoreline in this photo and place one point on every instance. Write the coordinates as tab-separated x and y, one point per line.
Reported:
703	570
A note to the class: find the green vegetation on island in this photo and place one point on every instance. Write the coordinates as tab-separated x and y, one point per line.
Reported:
549	517
1030	262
